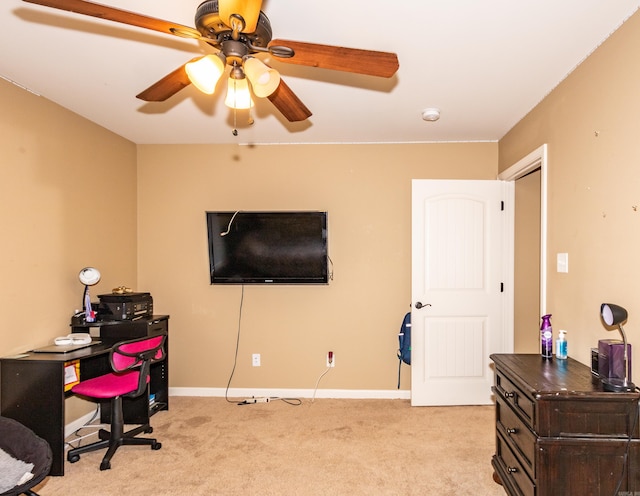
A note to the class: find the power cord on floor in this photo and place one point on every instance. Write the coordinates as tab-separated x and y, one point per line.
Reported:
315	390
252	400
86	425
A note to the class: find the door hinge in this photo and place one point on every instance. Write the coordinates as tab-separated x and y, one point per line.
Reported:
502	287
502	206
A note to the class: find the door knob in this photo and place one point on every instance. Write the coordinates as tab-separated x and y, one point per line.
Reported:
420	305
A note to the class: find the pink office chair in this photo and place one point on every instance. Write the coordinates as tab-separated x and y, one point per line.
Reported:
131	362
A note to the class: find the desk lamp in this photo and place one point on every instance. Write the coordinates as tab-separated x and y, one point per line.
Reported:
88	276
614	315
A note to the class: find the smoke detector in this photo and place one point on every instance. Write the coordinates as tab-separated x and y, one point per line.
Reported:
431	114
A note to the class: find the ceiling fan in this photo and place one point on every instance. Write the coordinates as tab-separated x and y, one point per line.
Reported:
237	30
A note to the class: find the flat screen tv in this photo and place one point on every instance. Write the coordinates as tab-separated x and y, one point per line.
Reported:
281	247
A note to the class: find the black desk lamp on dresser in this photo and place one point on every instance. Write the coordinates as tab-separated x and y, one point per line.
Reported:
614	316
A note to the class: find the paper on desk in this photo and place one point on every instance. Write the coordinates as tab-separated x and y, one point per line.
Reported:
71	374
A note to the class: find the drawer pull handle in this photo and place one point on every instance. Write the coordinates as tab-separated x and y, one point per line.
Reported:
512	470
509	394
511	430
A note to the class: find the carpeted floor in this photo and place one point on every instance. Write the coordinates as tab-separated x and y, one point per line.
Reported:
326	447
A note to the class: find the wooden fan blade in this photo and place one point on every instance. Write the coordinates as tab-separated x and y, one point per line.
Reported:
369	62
289	105
248	9
167	86
118	15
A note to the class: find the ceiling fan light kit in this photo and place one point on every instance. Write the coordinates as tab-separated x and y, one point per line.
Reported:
238	95
264	80
238	29
205	72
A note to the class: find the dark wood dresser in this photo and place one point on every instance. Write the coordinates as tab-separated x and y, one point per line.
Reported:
558	432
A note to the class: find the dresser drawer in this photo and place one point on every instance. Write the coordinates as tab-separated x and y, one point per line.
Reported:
515	397
591	467
562	415
511	469
520	438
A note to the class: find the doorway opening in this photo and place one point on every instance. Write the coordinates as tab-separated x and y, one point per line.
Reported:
531	175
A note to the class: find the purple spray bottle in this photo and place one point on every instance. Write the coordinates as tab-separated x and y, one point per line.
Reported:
546	337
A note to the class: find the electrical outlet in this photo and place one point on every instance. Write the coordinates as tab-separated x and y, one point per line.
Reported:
331	359
255	359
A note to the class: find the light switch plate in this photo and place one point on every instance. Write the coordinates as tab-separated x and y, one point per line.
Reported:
563	262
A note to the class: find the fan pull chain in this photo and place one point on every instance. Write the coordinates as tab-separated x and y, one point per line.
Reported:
235	110
235	130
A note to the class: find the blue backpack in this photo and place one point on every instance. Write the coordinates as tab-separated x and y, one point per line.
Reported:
404	338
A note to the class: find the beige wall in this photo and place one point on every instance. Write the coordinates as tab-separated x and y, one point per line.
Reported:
70	196
366	190
67	200
591	124
69	193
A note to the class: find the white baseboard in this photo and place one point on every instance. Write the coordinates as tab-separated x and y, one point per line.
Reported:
392	394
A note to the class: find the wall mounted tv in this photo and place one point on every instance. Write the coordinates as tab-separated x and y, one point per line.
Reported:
281	247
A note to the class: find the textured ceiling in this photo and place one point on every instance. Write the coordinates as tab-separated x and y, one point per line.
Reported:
484	64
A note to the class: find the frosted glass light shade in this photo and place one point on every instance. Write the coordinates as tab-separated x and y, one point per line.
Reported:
264	80
238	96
205	72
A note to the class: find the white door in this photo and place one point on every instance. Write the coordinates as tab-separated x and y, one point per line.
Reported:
462	280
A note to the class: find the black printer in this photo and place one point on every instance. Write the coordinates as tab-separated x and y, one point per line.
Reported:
127	306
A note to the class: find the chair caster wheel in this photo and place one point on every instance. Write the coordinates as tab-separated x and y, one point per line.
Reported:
105	465
156	446
73	458
149	430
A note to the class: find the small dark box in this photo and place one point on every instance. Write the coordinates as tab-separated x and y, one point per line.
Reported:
611	358
594	362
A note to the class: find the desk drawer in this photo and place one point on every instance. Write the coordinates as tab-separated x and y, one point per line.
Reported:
512	469
515	397
522	441
131	329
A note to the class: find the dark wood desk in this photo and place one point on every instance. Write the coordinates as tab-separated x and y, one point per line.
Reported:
558	431
32	388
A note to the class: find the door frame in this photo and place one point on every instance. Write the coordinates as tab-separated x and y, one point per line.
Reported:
534	160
